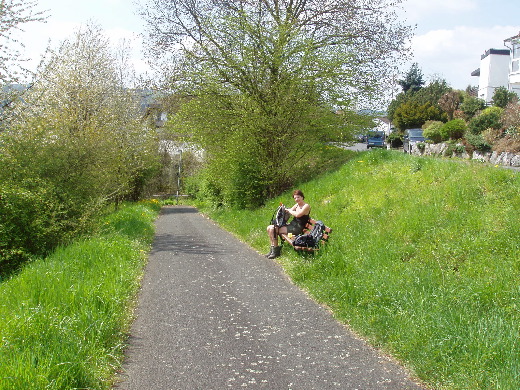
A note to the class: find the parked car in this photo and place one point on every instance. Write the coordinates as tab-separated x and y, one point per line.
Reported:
376	139
361	138
411	137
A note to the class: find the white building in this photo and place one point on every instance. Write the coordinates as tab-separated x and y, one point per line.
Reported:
499	68
493	72
513	44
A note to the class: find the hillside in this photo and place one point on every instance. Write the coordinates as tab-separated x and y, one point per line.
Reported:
423	262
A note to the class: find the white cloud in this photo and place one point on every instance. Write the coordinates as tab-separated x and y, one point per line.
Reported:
454	53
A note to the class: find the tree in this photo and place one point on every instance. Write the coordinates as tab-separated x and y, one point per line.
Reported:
502	97
413	108
449	102
13	14
412	115
267	78
471	105
430	94
76	144
413	80
92	145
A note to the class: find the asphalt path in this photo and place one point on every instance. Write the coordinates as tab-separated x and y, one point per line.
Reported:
215	314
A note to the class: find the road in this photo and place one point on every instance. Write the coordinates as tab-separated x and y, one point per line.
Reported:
215	314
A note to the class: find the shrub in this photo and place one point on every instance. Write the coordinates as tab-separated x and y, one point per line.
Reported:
431	130
476	142
453	129
491	136
35	219
489	118
508	143
395	140
454	147
511	117
502	97
471	106
410	115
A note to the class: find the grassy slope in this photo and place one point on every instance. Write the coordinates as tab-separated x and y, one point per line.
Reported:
63	319
423	262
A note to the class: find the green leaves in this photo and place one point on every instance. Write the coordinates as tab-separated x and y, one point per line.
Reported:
267	78
78	142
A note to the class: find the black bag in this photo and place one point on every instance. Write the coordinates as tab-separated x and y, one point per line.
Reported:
317	232
305	240
279	217
313	238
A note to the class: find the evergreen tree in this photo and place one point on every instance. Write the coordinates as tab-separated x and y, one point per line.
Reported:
413	81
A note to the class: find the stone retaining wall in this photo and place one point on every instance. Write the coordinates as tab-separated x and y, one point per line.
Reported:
506	158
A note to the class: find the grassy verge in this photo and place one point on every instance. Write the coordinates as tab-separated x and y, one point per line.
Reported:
423	262
63	319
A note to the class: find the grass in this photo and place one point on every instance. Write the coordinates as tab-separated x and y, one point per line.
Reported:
423	262
64	318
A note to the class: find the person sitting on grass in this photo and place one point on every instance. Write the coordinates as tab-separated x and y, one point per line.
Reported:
300	212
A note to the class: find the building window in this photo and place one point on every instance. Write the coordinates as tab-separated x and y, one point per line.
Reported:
516	50
515	66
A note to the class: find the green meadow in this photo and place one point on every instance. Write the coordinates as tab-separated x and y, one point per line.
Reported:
64	318
423	262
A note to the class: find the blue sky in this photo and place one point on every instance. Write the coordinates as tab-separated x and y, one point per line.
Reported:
451	35
449	39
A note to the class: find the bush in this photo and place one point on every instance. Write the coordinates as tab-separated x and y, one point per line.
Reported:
432	131
476	142
502	97
471	106
511	117
412	114
489	118
508	143
34	221
453	129
454	147
491	136
395	140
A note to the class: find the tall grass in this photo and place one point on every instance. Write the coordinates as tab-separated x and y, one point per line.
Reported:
63	319
423	262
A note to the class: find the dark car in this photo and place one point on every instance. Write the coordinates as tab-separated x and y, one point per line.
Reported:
376	139
411	137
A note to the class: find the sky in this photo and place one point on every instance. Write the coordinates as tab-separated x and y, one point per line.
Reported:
450	35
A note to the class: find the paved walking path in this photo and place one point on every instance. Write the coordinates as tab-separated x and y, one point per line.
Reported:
215	314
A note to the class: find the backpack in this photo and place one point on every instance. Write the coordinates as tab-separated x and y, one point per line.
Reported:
313	238
317	232
305	240
279	217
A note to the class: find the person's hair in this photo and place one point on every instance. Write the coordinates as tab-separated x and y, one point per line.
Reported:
298	192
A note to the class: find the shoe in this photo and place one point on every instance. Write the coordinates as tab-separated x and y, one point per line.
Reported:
277	251
270	251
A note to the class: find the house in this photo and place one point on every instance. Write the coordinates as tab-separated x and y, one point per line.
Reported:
513	44
383	124
499	68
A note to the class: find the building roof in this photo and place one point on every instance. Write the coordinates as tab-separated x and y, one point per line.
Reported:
476	72
514	39
501	52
